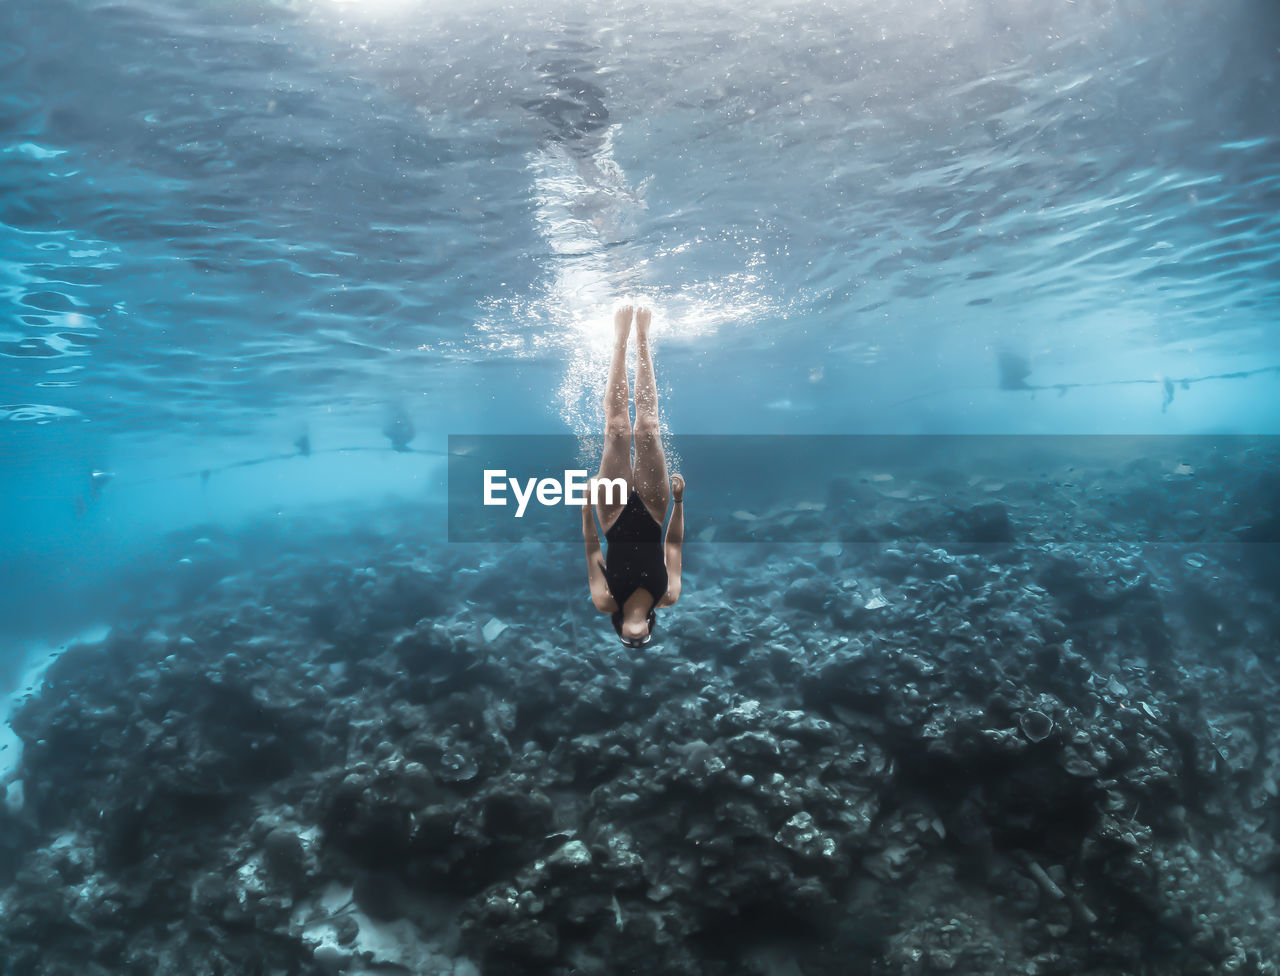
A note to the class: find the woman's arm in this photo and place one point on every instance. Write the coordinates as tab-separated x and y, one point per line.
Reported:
600	595
675	542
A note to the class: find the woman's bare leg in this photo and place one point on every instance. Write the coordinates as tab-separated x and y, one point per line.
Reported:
615	461
650	475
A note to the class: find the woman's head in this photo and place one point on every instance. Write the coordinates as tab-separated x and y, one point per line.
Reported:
635	630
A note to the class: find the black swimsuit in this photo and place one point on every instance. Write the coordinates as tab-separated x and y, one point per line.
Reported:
635	559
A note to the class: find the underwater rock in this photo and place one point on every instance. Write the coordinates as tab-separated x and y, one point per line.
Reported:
285	857
997	760
808	594
572	856
876	601
802	837
984	524
1035	725
14	797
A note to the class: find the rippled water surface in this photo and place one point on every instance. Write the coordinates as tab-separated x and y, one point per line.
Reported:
225	215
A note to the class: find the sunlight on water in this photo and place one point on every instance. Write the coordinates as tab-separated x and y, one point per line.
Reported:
424	202
587	213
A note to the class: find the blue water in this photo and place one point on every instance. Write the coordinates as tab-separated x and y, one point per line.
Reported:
248	249
227	224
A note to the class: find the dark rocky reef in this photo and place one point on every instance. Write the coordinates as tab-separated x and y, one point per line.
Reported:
352	754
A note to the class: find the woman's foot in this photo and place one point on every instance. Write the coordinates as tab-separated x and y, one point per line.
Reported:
622	324
643	316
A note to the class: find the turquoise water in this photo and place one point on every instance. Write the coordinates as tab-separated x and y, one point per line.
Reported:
222	217
248	248
227	224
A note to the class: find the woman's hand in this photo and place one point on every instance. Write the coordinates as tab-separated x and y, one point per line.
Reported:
677	487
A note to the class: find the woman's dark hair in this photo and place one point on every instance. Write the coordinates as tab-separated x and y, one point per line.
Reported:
616	617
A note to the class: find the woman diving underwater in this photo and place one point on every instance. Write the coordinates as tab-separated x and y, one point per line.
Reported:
640	570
